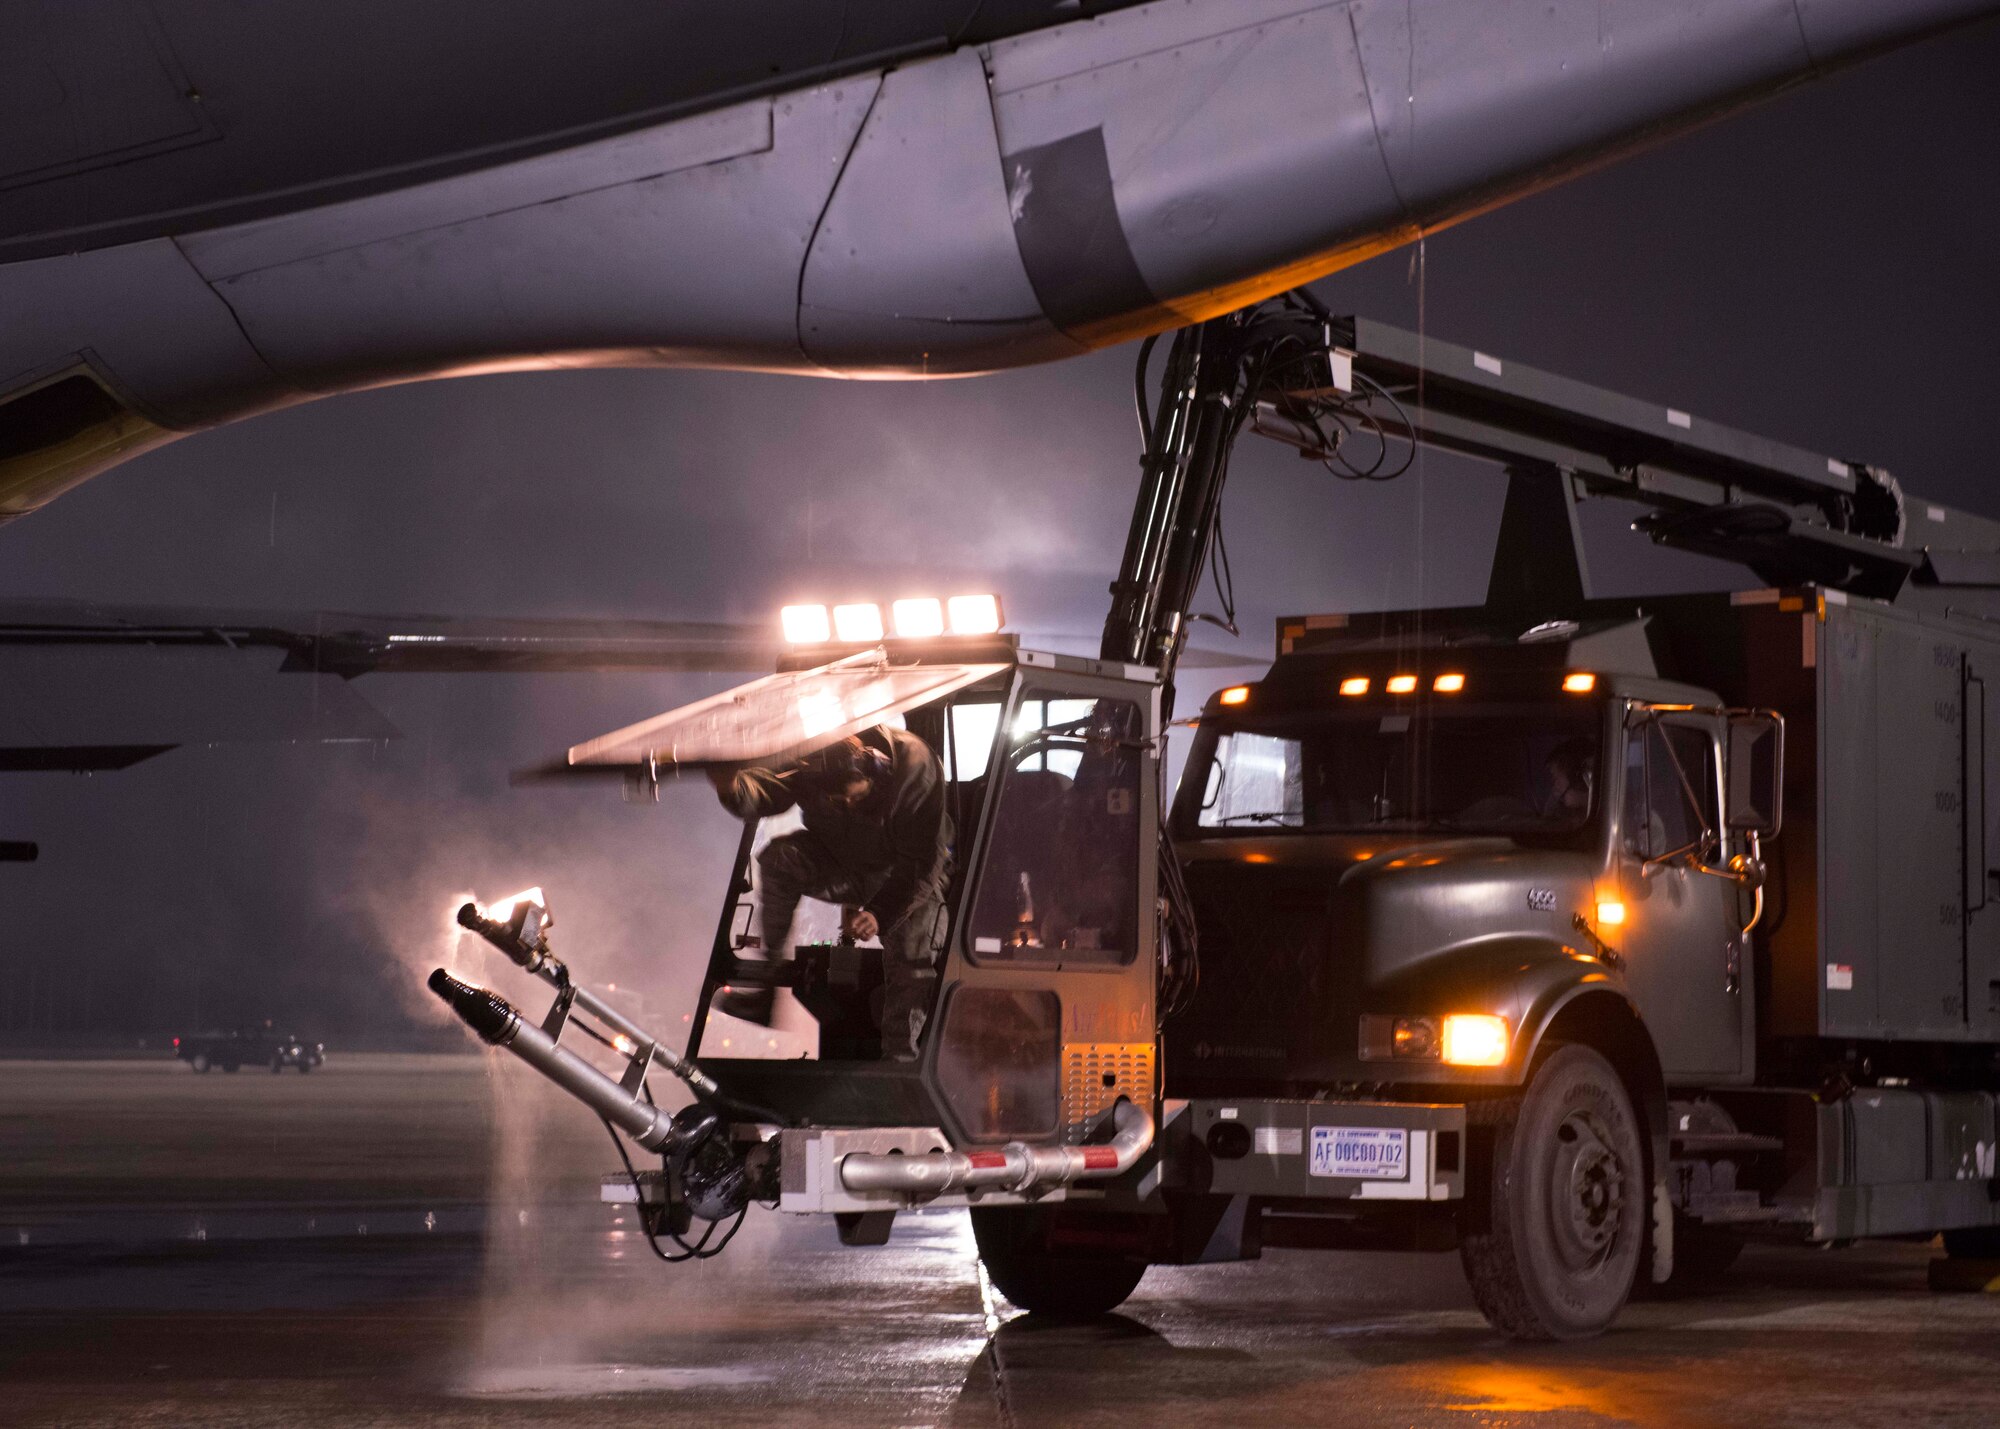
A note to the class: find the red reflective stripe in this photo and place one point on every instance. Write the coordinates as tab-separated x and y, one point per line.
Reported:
985	1160
1099	1158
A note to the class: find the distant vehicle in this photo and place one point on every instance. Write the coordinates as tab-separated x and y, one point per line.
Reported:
233	1051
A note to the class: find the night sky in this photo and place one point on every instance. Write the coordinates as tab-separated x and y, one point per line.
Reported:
1821	270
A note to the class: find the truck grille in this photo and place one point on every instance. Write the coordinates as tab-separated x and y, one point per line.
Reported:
1265	971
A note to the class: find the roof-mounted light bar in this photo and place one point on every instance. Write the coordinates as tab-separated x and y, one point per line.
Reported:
913	618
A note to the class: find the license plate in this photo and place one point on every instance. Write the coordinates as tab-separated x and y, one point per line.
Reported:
1367	1153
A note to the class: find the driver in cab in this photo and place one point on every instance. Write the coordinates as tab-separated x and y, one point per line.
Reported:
876	840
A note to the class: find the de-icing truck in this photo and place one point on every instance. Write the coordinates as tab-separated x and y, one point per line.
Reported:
1586	936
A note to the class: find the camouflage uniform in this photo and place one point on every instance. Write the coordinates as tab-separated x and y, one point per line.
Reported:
890	854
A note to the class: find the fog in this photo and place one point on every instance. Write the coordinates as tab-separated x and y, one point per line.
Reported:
1819	271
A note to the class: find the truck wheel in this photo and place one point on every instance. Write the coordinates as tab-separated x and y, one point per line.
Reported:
1568	1204
306	1066
1056	1284
277	1065
199	1061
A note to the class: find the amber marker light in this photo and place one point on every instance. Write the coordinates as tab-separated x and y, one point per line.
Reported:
1580	683
1473	1039
1610	913
1354	685
1401	684
1235	695
1448	684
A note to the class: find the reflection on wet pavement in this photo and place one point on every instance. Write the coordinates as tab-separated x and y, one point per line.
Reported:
800	1330
547	1309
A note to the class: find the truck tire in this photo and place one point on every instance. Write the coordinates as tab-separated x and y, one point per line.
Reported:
1055	1284
199	1061
1568	1204
277	1065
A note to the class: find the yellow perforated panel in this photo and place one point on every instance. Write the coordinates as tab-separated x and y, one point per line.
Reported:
1096	1074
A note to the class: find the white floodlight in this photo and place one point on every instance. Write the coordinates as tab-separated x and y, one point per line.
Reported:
805	624
974	614
920	618
503	911
857	624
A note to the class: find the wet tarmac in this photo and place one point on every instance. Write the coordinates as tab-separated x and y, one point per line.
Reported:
547	1309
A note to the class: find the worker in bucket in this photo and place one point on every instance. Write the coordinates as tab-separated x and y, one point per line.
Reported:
876	840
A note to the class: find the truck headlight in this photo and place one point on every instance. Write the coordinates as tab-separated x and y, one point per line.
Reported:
1460	1039
1413	1037
1473	1039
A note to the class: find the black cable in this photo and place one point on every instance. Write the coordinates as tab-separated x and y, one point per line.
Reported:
1180	976
700	1250
591	1032
1225	583
1403	418
1139	396
639	1193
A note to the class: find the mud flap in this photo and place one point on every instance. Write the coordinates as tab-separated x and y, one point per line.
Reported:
1663	1227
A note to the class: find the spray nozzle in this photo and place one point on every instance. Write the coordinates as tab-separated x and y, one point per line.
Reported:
486	1013
517	926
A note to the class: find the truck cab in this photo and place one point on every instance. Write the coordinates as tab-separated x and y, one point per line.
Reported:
1412	860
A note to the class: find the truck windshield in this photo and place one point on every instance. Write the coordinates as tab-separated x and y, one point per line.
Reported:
1494	769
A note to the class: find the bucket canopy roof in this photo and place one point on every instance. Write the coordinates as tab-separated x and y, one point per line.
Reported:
773	720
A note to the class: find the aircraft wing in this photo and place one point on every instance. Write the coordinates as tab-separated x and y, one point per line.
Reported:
210	212
102	687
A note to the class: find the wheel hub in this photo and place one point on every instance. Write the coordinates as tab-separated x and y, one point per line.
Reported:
1587	1191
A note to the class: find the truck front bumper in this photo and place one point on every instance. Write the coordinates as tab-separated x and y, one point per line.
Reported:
1330	1150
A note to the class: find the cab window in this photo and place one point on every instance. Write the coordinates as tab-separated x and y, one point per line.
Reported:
1060	879
1669	788
1516	770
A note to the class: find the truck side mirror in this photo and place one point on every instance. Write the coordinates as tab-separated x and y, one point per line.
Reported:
1756	772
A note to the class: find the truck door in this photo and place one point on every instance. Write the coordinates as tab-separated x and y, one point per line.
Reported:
1049	1006
1682	938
